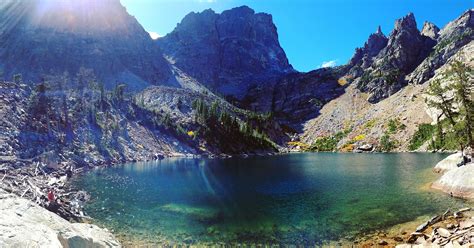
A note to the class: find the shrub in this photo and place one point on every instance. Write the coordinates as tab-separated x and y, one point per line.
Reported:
324	144
386	144
328	143
423	134
303	146
392	126
348	147
370	124
359	137
342	81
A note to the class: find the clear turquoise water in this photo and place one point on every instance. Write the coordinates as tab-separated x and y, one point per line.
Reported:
301	199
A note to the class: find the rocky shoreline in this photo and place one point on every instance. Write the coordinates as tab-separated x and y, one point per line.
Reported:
26	224
457	181
453	228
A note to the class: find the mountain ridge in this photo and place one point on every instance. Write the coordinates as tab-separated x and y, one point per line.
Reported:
180	77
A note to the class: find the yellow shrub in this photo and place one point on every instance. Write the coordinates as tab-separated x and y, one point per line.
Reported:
298	143
342	81
347	147
359	137
191	133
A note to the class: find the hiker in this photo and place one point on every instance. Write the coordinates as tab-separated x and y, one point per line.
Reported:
51	197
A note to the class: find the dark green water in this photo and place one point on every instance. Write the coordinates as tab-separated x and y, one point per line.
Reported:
289	199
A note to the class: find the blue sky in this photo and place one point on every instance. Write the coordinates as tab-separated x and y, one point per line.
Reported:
312	32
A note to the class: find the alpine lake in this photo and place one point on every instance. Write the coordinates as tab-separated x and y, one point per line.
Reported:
293	199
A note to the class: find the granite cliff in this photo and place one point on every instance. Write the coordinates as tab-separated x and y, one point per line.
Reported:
228	52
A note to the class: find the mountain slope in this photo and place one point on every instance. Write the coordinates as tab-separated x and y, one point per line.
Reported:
46	37
396	116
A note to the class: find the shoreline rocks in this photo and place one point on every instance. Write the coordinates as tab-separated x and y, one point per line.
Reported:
458	182
449	163
458	179
449	229
26	224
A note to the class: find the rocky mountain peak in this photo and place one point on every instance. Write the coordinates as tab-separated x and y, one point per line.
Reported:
97	35
430	30
227	52
405	23
375	43
404	45
405	49
379	30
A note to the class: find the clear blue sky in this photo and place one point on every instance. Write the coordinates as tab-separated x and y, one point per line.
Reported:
311	31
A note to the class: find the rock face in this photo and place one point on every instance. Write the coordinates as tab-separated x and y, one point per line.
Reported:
449	41
227	52
51	37
405	49
430	30
296	97
25	224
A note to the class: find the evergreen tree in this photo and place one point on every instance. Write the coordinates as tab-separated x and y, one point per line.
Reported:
454	97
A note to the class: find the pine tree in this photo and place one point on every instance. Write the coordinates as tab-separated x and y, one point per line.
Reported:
455	98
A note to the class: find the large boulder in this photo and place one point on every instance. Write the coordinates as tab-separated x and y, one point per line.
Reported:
25	224
458	182
449	163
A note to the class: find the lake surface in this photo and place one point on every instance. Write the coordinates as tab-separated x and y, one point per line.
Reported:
306	199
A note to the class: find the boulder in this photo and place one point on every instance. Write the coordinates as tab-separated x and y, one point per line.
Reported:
449	163
26	224
458	182
366	147
443	232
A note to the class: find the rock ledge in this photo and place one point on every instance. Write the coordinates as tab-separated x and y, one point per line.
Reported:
25	224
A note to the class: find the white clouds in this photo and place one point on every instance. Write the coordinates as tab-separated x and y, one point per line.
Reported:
330	63
154	35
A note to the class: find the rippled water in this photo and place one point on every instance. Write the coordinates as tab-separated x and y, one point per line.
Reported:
309	198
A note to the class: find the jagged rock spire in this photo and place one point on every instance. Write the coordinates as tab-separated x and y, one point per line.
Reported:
374	44
379	30
430	30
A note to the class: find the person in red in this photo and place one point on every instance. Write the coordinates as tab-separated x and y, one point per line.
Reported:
51	196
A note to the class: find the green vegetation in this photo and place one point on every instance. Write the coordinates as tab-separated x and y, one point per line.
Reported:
227	131
386	144
328	143
370	124
455	98
366	78
424	133
394	125
392	76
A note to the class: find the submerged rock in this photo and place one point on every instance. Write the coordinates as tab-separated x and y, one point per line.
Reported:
25	224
